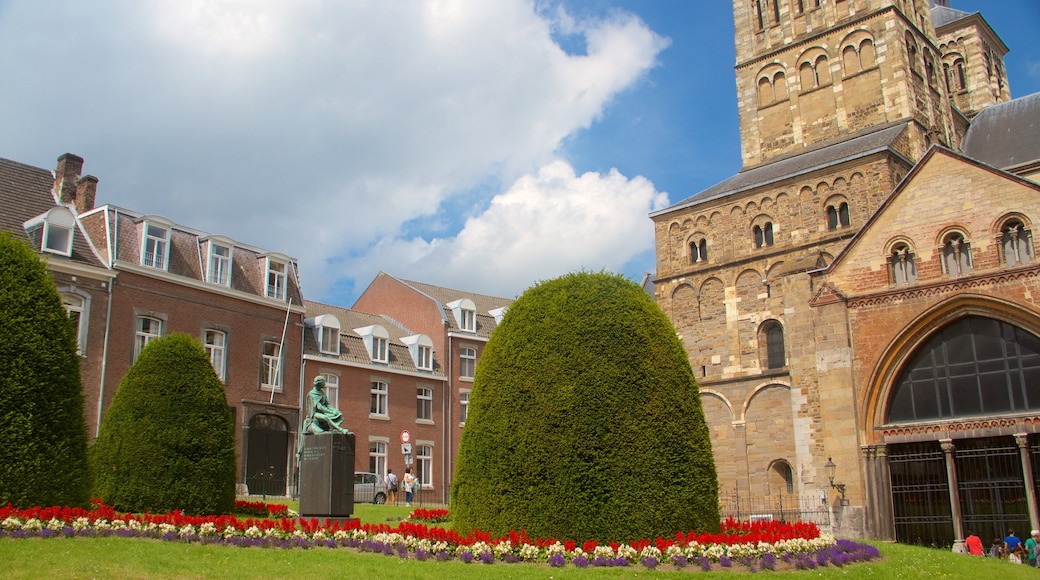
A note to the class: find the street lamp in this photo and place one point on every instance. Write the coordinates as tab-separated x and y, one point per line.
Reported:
830	467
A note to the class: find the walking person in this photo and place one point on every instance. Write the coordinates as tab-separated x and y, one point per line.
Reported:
391	486
409	486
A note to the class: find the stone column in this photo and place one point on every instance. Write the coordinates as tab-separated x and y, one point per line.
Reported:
885	513
955	495
1022	439
870	502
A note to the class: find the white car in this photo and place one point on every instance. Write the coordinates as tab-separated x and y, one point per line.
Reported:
369	488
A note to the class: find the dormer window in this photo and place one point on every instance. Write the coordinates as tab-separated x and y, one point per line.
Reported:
465	314
498	314
277	274
377	342
218	267
155	249
327	328
52	231
420	346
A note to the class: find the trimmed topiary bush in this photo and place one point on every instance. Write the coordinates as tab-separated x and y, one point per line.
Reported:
585	421
168	440
43	433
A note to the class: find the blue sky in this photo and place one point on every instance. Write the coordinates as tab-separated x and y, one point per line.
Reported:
478	145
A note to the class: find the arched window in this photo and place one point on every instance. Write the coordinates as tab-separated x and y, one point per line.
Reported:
1016	243
911	53
773	335
699	251
763	235
850	58
765	92
929	69
781	477
974	366
956	254
902	265
838	216
779	86
867	57
758	12
814	73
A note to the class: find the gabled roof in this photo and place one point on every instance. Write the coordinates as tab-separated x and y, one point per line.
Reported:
443	296
786	167
27	192
879	213
1006	135
352	346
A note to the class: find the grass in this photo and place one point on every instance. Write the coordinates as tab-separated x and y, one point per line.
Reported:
368	513
135	558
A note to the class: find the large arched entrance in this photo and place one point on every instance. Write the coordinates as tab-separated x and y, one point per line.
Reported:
267	455
963	404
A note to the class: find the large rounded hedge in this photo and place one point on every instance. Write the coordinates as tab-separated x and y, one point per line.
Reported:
584	421
43	432
168	440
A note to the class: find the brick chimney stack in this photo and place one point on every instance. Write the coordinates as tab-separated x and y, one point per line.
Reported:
72	189
86	189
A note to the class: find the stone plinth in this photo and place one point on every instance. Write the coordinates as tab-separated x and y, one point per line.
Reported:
327	475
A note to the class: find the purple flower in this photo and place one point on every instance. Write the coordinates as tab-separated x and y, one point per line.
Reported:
650	562
421	554
557	560
466	557
581	561
511	558
600	561
703	562
487	557
769	562
442	556
619	561
680	561
725	562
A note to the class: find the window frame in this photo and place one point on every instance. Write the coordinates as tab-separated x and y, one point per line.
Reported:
276	281
76	308
218	269
216	351
329	335
463	406
160	246
379	399
377	457
332	388
467	362
424	404
424	465
144	336
271	364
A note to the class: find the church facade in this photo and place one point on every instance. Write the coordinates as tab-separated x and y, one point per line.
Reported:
859	302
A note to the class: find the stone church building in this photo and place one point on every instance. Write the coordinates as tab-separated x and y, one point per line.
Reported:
861	301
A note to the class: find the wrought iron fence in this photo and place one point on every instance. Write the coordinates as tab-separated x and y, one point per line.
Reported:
779	507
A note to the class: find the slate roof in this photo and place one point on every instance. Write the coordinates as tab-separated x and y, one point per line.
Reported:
27	192
819	157
352	346
943	15
1006	135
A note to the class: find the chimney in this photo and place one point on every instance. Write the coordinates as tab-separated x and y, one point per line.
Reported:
86	189
66	176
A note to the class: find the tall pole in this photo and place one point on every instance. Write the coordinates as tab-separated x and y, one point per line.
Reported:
279	375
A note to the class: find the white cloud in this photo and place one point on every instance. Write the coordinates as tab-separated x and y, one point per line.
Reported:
545	225
321	129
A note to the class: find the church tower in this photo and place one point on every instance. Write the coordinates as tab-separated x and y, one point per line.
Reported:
811	72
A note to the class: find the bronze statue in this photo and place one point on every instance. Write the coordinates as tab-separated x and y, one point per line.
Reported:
321	417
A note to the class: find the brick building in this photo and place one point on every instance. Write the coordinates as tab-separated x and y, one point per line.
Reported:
128	278
458	323
883	215
385	379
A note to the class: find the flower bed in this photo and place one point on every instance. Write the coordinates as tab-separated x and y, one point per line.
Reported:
757	546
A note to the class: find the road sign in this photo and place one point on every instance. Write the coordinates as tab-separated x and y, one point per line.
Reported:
406	448
406	437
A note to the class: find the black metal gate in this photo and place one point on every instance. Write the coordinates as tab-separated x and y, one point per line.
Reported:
992	489
781	507
920	494
268	443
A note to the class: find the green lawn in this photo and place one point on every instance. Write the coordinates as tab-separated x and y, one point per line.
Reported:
135	558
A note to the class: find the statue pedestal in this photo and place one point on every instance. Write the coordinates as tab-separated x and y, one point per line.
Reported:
327	475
